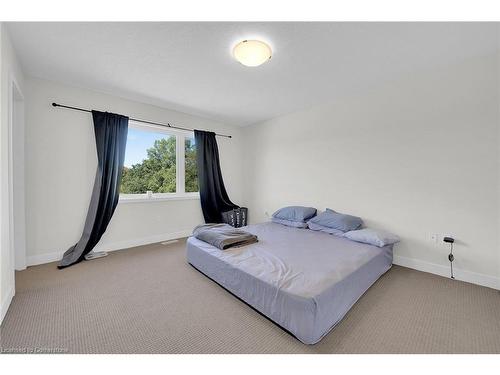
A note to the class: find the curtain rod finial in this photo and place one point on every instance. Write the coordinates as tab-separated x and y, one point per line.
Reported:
54	104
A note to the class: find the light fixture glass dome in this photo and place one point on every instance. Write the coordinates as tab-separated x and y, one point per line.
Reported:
252	52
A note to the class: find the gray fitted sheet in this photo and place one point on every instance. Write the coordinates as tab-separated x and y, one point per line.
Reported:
303	280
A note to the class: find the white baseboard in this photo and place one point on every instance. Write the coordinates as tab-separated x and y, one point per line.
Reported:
470	277
5	304
419	265
121	245
34	260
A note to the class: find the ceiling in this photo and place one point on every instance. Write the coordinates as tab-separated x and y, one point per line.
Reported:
189	67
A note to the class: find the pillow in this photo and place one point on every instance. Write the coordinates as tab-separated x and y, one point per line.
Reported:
374	237
289	223
335	220
314	226
295	213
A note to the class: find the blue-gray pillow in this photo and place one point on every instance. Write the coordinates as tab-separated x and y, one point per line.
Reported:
295	213
374	237
321	228
289	223
335	220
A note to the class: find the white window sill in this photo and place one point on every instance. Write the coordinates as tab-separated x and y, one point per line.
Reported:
142	198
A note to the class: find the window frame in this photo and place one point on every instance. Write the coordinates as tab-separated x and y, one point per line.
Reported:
180	166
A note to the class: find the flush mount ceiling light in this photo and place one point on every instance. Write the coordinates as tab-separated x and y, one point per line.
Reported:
252	52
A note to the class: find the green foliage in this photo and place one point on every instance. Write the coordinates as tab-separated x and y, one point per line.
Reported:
191	171
157	173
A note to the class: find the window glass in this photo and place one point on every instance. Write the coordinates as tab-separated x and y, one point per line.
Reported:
150	162
191	175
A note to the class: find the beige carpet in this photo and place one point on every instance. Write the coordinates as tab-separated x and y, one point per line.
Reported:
149	300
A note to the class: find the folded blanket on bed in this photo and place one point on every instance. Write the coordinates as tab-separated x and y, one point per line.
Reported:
223	236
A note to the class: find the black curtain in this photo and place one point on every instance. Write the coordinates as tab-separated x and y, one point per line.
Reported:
213	195
111	138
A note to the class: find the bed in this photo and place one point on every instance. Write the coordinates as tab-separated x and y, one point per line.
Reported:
305	281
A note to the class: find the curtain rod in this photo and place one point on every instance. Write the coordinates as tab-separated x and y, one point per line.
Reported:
167	125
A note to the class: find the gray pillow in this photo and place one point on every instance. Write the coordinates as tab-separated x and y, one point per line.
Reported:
289	223
335	220
321	228
374	237
295	213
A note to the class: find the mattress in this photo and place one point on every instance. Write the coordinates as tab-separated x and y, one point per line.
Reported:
303	280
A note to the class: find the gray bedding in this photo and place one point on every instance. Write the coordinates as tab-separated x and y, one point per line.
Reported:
223	236
303	280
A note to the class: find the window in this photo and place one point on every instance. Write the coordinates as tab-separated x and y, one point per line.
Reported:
190	165
159	163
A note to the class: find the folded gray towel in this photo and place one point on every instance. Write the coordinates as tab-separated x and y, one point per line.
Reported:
223	236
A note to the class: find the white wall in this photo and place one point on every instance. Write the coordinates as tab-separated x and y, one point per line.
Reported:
416	156
60	169
18	180
10	71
